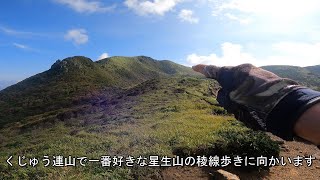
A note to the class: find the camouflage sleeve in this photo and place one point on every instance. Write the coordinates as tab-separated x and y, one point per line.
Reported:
211	71
261	99
251	93
284	115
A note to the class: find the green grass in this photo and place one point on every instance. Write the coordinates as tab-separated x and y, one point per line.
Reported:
166	117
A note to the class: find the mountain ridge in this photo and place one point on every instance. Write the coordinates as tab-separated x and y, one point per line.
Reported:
5	84
307	76
314	69
77	79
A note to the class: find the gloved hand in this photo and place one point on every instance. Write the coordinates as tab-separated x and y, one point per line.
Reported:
249	92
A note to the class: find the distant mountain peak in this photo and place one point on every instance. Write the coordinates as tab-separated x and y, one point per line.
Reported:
75	62
145	57
307	76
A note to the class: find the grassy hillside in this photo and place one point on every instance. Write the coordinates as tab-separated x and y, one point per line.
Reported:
305	76
76	80
164	116
314	69
117	106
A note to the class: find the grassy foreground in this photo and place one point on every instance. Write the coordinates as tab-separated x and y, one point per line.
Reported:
165	117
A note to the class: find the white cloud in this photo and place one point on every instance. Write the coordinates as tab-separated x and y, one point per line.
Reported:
153	7
281	8
295	53
77	36
19	33
288	11
238	19
103	56
232	54
21	46
14	32
283	53
187	16
86	6
25	47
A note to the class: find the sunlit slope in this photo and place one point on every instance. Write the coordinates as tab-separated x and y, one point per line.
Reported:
75	80
164	116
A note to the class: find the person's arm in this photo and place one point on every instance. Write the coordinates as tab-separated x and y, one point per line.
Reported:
265	101
308	125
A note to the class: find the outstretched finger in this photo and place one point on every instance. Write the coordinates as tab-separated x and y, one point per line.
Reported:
199	68
209	71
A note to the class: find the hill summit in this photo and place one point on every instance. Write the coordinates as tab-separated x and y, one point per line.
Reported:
73	80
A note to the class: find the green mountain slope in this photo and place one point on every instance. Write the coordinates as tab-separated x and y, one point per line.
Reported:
75	80
314	69
305	76
164	116
118	106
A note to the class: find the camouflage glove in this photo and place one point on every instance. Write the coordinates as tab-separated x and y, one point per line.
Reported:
249	92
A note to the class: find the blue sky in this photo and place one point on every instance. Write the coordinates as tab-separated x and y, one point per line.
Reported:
34	34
